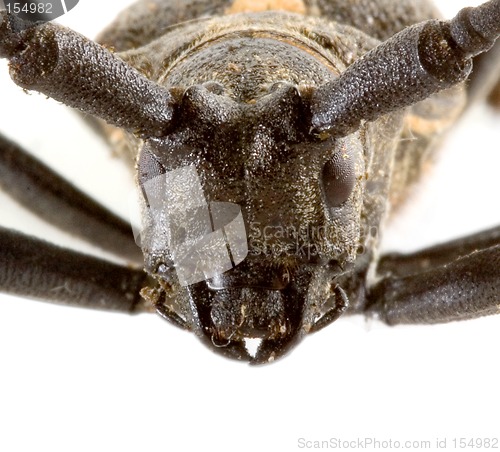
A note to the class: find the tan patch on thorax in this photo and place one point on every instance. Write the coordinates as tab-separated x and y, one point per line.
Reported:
251	6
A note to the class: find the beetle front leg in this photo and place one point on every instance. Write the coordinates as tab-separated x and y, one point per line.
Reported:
34	268
402	265
54	199
467	287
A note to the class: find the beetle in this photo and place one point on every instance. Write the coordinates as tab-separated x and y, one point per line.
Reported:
297	126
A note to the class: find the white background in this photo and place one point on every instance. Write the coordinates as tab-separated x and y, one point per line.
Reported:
78	380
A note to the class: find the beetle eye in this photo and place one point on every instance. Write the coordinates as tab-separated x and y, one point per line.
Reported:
338	178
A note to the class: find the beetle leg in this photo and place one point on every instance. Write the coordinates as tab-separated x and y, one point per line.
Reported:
426	290
401	265
34	268
48	195
65	65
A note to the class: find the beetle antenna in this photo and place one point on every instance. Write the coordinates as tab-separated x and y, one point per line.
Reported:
407	68
70	68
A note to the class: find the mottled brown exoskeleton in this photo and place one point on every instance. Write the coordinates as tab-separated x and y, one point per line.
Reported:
312	117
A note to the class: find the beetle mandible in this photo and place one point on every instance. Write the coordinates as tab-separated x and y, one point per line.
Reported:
269	140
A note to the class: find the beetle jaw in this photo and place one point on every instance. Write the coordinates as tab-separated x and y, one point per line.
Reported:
257	323
228	320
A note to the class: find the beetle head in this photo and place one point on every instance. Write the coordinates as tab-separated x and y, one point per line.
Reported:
249	218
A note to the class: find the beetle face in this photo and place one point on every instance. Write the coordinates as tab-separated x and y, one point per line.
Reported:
249	218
